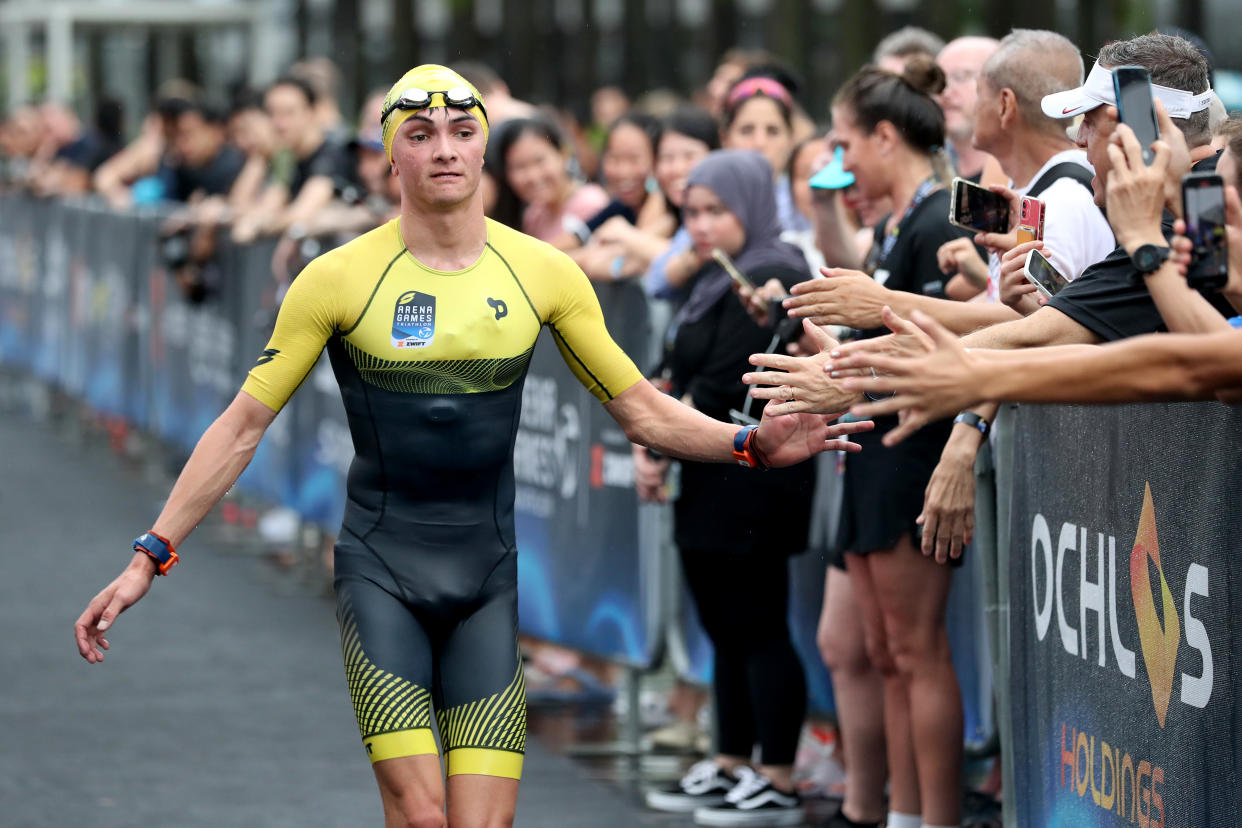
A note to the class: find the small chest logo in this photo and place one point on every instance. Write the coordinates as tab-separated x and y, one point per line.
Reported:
499	306
414	320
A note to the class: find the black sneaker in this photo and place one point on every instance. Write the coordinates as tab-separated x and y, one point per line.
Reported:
840	820
753	801
706	783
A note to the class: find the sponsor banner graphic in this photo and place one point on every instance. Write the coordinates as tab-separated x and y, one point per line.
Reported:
580	575
1123	588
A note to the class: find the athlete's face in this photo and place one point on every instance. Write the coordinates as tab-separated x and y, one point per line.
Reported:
438	156
711	224
536	171
677	157
759	126
627	163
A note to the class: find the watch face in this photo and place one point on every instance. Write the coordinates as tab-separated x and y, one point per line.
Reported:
1149	257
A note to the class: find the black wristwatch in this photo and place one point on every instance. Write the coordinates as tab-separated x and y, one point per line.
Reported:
1148	258
973	420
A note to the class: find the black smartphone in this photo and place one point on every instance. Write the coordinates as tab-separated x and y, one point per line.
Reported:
1040	272
977	208
1203	205
1136	107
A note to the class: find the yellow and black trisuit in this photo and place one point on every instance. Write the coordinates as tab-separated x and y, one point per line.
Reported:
431	366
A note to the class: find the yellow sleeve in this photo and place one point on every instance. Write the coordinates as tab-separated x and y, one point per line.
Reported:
308	316
577	325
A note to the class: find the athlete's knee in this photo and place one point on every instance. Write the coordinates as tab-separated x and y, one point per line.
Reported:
411	811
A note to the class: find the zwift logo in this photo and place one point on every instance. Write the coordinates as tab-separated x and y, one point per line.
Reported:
1159	624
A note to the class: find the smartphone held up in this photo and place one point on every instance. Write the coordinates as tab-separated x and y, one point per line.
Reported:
1136	107
978	209
1042	274
1203	205
1031	222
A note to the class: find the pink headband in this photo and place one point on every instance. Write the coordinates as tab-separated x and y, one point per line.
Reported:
759	86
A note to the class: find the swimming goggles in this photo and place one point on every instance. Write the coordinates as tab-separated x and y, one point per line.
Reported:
459	97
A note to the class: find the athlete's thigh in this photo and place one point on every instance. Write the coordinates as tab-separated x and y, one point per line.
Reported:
389	668
480	694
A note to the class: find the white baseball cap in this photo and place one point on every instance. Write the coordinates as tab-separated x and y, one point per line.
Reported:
1098	90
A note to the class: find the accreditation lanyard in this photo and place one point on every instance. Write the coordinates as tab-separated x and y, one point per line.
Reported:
886	246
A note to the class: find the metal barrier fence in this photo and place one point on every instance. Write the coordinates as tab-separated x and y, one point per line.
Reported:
87	306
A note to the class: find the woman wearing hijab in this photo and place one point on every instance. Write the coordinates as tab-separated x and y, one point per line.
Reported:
737	575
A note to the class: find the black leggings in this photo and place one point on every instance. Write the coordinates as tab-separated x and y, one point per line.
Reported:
743	604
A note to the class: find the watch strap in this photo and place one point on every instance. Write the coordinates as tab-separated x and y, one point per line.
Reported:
744	452
160	550
973	420
1149	257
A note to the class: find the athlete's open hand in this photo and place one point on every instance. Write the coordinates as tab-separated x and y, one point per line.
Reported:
798	385
786	439
103	609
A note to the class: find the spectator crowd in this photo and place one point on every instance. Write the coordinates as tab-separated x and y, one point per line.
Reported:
864	298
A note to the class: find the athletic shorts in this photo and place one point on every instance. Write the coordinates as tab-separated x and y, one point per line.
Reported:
413	647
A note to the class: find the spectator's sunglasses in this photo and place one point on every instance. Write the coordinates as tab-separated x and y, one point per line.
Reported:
459	97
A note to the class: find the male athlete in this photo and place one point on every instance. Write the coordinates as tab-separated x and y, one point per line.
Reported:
429	322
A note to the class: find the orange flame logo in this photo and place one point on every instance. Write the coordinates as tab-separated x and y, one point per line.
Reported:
1159	642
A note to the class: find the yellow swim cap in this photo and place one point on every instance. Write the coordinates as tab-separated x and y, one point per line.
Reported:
430	77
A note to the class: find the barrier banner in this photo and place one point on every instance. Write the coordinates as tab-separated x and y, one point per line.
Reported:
1124	590
580	582
21	251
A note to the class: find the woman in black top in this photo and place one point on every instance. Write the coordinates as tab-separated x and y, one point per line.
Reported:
737	571
892	134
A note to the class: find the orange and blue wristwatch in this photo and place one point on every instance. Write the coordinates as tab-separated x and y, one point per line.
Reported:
160	550
745	452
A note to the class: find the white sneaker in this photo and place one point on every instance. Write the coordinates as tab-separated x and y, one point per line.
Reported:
753	801
706	783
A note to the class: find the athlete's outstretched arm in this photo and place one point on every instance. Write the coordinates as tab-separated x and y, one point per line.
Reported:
660	422
219	458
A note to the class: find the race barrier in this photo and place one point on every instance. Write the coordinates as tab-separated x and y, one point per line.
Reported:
1123	605
87	306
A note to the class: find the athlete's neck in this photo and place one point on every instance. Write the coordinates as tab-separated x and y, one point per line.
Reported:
445	239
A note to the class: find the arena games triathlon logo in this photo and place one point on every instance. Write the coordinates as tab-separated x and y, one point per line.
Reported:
414	320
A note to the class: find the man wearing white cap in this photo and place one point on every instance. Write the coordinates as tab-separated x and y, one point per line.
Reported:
1109	301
